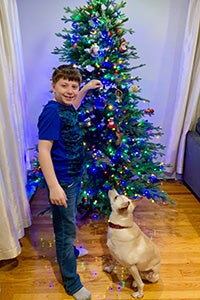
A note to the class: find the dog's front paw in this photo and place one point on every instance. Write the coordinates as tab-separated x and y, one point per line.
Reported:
134	284
109	269
137	295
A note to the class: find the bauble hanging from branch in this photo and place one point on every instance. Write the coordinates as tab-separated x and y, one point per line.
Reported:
94	50
123	46
149	111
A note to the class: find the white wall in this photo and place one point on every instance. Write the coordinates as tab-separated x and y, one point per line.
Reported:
159	30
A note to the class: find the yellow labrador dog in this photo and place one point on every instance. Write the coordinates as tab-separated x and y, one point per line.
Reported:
129	246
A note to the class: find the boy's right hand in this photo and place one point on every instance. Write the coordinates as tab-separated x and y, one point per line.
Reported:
93	84
57	196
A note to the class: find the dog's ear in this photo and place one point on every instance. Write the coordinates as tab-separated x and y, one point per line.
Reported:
134	204
114	190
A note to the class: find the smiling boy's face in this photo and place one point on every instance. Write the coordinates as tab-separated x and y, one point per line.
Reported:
65	91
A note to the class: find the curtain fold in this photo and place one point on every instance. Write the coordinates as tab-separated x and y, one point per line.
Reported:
14	205
188	91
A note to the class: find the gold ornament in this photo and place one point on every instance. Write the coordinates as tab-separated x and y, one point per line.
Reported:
134	89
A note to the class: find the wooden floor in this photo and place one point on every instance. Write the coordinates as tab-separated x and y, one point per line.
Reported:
34	274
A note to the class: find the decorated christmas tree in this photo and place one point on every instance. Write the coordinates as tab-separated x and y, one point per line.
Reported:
118	137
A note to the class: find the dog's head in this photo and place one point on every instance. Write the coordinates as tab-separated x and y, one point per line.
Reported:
120	203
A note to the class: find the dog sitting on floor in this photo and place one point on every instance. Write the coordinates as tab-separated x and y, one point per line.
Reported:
129	246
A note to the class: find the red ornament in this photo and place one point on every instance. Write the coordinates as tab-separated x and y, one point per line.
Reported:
75	45
114	127
149	111
123	46
111	123
118	30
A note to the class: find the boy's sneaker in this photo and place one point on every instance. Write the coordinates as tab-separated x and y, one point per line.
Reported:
82	294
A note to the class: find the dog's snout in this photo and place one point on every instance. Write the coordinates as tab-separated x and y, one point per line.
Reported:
125	205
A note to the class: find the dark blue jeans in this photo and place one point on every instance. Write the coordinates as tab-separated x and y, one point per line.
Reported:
64	223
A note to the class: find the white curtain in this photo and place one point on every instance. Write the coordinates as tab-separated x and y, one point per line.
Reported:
14	205
188	91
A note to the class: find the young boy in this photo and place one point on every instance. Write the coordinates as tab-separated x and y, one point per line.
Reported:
61	157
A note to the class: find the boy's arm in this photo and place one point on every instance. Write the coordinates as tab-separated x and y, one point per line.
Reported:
57	194
93	84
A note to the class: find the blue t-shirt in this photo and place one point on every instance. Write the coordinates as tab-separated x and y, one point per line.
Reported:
60	123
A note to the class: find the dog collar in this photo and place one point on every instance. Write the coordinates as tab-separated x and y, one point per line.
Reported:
116	226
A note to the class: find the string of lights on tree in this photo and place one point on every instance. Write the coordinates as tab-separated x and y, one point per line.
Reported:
118	138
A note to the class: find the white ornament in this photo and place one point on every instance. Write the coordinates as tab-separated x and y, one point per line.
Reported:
94	50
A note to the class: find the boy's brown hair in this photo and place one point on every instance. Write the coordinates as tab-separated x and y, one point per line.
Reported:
66	72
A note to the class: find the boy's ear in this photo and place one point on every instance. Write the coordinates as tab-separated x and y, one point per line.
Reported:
53	87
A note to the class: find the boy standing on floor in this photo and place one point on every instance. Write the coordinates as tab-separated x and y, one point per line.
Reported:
61	157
